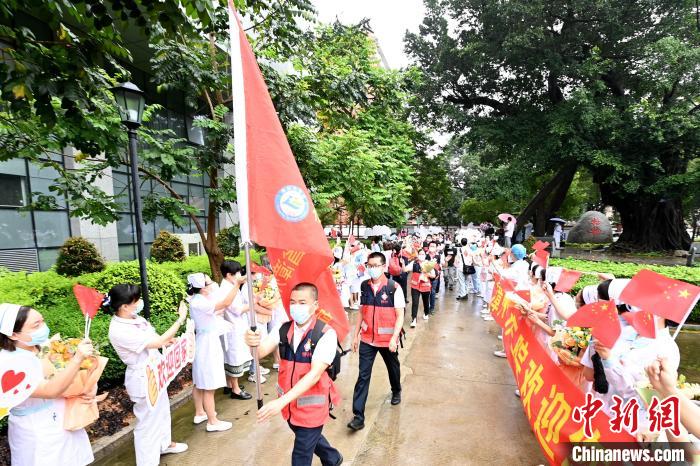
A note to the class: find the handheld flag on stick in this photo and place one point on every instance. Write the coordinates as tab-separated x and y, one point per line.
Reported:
274	205
662	296
642	322
540	245
567	280
89	300
602	317
541	258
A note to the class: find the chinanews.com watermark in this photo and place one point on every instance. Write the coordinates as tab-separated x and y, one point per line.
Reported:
633	453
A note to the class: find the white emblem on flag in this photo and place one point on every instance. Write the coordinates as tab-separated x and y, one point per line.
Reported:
292	204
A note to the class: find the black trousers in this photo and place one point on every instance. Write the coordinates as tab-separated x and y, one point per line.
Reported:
367	355
308	441
415	296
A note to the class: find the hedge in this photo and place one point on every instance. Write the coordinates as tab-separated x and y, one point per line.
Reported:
627	270
52	295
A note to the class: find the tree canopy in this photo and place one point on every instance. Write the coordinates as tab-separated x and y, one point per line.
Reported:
608	85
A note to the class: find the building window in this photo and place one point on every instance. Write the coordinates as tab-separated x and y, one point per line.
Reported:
13	190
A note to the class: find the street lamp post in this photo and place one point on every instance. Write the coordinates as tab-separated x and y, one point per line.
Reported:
130	102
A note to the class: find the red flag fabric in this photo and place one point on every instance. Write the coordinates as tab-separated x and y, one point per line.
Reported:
351	239
525	294
507	284
279	212
255	268
541	258
540	245
567	280
642	322
89	299
663	296
602	317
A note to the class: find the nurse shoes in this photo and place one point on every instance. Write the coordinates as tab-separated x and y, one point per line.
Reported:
175	448
200	419
219	426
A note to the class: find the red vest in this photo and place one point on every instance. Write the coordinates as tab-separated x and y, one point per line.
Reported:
378	313
417	284
312	408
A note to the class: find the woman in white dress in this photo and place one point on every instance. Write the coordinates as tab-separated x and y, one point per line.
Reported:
237	357
135	340
208	367
36	434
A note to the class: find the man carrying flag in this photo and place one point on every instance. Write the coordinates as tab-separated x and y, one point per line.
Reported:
276	211
307	393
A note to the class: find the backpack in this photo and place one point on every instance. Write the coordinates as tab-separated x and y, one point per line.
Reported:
395	266
334	368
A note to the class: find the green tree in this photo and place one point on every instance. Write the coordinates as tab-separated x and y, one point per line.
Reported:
607	85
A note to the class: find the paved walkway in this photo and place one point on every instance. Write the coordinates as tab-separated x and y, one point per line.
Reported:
458	408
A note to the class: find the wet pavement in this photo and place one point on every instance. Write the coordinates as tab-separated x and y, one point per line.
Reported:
458	408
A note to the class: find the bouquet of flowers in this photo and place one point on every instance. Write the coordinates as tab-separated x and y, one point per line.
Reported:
569	343
267	295
81	402
427	266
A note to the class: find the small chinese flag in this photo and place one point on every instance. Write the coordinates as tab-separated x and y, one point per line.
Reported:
89	299
642	322
567	280
541	258
525	294
506	284
602	317
255	268
540	245
663	296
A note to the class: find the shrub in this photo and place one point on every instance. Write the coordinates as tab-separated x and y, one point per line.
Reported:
529	242
166	290
78	256
229	241
627	270
167	248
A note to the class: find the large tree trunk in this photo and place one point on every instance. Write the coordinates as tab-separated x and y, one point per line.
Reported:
649	224
547	201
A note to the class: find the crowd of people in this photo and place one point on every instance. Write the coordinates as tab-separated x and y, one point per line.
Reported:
378	282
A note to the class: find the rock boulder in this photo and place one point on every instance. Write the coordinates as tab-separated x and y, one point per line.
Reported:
592	227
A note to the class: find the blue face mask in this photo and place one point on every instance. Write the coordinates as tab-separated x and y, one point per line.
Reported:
139	307
300	312
39	336
376	272
473	247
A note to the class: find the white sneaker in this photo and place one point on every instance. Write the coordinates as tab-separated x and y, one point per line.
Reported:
177	448
413	323
500	337
219	426
275	366
251	378
500	354
200	419
487	318
264	370
426	317
517	393
355	307
485	311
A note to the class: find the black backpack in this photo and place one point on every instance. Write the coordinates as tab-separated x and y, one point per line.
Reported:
334	368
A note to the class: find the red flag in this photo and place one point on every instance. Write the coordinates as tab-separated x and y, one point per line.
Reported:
89	299
540	245
507	284
567	280
351	239
525	294
541	258
663	296
274	204
255	268
642	322
602	317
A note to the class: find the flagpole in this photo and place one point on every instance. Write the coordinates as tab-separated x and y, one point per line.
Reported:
241	164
